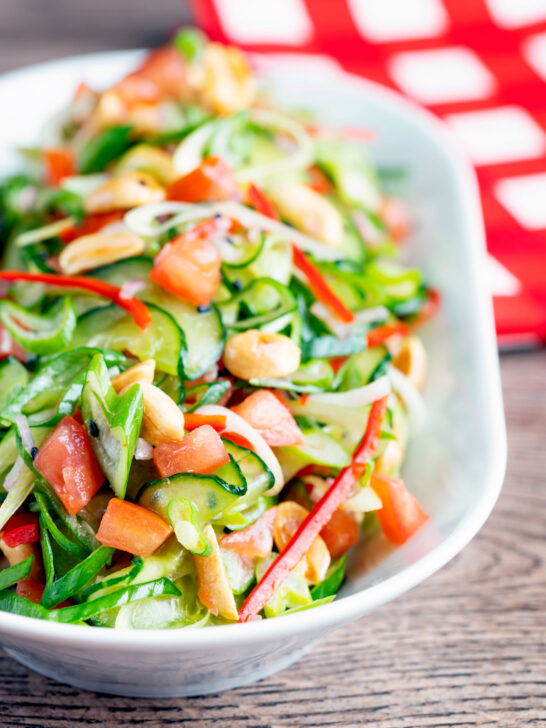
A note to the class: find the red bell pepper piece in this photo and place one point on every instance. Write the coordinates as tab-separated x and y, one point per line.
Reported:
21	528
59	163
138	310
319	516
317	283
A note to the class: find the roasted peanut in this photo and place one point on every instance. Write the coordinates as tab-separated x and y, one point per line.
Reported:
163	421
122	193
214	590
256	354
148	159
411	360
141	372
288	518
308	211
224	79
19	553
92	251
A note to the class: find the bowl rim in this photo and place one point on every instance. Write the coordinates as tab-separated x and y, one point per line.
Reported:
355	605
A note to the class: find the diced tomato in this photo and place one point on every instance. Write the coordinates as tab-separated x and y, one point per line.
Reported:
340	533
254	541
59	163
69	465
201	451
238	439
189	267
33	590
378	336
166	68
193	420
130	527
212	180
21	528
271	418
401	515
91	224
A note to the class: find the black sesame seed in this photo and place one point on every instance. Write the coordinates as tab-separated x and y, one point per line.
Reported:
203	309
217	215
93	428
230	241
33	452
237	285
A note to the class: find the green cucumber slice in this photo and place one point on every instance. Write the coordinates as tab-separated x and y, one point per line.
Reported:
204	331
109	327
319	449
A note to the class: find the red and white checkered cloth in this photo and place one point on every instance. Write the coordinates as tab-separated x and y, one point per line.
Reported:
478	64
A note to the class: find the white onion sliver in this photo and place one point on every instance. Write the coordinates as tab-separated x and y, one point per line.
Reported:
340	328
411	396
140	220
143	450
14	475
302	157
24	431
358	397
235	423
365	500
130	288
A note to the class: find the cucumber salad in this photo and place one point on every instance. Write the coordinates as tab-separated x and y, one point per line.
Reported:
209	362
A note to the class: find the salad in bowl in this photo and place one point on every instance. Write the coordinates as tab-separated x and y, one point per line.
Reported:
210	362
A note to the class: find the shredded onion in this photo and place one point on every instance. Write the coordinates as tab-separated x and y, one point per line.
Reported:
143	450
24	431
14	475
371	234
142	221
235	423
130	288
358	397
343	330
411	396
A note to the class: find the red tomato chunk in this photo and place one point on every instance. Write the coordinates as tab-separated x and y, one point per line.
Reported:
69	465
201	451
271	418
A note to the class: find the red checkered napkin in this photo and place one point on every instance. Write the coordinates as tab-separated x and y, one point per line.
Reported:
478	64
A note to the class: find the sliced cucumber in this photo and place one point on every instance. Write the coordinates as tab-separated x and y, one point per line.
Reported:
257	475
204	332
319	449
210	495
109	327
231	474
362	368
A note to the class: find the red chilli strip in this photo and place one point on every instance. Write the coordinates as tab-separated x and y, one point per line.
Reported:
138	310
429	310
380	334
317	283
319	516
193	421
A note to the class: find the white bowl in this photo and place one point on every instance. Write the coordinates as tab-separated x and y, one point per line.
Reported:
455	466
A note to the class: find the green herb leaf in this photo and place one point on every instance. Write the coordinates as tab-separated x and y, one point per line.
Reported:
104	148
335	575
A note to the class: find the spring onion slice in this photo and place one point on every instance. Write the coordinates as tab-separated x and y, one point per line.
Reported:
45	232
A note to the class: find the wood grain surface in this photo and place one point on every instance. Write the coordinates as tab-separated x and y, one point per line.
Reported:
466	648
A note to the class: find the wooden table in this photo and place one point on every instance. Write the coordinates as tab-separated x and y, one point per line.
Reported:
466	648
